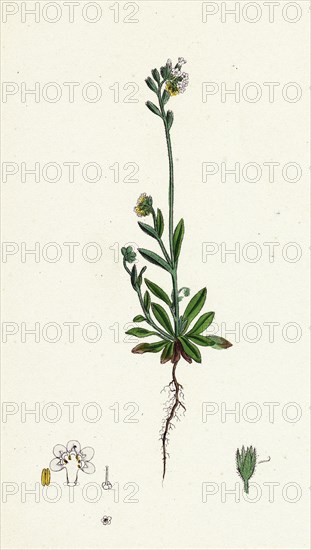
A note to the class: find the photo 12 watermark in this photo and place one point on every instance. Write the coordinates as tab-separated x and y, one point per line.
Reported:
103	12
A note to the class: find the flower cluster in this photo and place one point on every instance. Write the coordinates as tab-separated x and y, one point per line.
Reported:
128	254
177	80
144	206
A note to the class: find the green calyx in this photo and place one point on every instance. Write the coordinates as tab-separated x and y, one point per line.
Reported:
246	464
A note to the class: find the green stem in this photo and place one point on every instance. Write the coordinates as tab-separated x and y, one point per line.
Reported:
162	246
171	210
146	313
246	486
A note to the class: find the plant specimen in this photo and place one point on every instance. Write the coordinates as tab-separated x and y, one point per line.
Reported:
246	464
73	459
177	337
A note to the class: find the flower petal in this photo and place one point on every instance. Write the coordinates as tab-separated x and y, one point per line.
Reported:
88	468
55	465
87	453
59	450
73	445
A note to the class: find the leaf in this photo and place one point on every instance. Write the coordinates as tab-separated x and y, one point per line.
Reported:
159	223
182	323
162	317
190	349
155	259
141	332
150	83
158	292
140	276
153	108
202	323
165	97
148	229
139	319
155	347
164	72
167	352
134	277
195	305
147	300
178	238
218	342
200	340
169	119
156	75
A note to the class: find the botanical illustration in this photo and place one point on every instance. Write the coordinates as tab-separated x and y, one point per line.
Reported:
246	463
179	334
72	459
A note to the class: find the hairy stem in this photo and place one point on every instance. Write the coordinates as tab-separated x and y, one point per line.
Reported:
172	413
171	211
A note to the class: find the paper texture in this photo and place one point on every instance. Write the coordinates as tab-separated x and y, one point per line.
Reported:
79	147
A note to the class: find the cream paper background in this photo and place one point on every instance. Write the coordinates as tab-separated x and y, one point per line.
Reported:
243	292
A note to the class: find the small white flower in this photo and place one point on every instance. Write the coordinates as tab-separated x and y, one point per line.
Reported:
181	61
176	72
106	520
72	458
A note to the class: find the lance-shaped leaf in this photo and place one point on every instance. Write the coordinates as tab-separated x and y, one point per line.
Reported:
169	119
167	352
200	340
150	83
158	292
140	276
147	300
155	347
155	259
134	277
165	97
139	319
153	108
159	223
195	305
148	229
156	75
141	332
202	323
178	238
162	317
164	72
218	342
190	349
